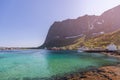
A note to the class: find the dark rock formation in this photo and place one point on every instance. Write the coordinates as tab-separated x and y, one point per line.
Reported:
66	32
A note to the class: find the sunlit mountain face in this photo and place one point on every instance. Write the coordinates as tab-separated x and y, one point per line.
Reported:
66	32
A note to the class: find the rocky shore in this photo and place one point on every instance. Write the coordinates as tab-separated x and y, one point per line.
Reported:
113	54
102	73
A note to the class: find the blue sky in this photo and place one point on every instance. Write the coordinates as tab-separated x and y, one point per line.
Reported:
25	23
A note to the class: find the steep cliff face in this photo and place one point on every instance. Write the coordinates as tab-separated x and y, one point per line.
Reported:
66	32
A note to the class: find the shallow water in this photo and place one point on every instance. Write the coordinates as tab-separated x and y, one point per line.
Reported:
31	64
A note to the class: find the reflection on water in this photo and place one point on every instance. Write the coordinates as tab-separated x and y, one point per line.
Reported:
33	64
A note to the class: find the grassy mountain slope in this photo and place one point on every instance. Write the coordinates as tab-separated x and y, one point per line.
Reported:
99	41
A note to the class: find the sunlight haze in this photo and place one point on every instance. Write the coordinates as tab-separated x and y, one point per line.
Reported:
25	23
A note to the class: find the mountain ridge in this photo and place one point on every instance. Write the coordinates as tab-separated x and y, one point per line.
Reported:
87	25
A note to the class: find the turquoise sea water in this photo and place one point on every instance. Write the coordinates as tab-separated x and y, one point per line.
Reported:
31	64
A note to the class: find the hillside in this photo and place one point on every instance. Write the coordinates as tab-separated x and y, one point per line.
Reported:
68	31
99	41
104	40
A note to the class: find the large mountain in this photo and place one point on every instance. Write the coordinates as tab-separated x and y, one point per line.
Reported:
66	32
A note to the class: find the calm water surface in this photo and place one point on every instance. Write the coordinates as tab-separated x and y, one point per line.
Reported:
22	64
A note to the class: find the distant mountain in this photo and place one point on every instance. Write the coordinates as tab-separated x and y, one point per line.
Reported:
68	31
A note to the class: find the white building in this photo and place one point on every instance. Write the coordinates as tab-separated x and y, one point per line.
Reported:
112	47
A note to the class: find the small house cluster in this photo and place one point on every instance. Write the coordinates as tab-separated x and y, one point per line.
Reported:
110	47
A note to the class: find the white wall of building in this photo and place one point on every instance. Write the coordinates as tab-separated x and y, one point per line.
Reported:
112	47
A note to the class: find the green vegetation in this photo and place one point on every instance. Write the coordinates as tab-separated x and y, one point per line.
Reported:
99	41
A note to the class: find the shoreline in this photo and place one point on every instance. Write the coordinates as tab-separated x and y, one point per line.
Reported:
112	54
102	73
107	72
